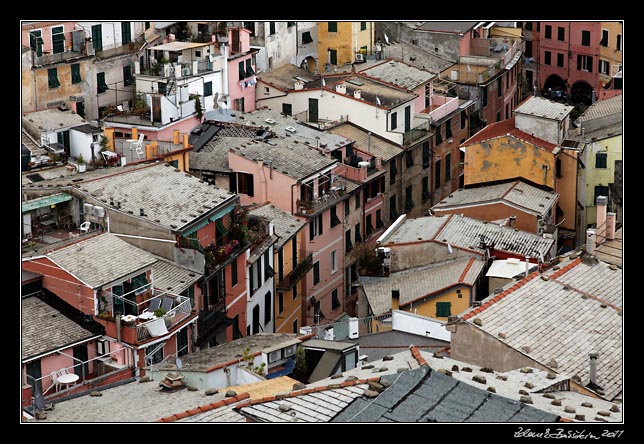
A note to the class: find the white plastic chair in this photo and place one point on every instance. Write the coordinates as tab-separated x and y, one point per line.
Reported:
84	227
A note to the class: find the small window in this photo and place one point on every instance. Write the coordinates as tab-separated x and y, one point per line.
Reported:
437	174
358	234
561	33
287	109
306	37
618	42
290	24
601	160
393	211
438	136
268	307
363	26
409	157
426	155
207	89
76	73
233	273
560	60
392	171
547	58
295	328
334	261
369	225
409	201
52	77
604	41
128	79
348	245
426	193
126	33
271	28
58	39
448	166
547	33
101	86
280	302
604	67
393	121
335	301
358	199
600	190
499	87
584	63
379	222
463	119
585	38
448	129
443	309
332	27
316	273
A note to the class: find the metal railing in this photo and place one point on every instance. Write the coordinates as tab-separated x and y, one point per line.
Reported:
366	326
172	317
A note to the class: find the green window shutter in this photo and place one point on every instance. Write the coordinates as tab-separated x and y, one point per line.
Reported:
58	39
207	89
101	86
249	68
52	76
333	26
334	57
126	33
443	309
363	26
128	79
76	73
242	71
97	37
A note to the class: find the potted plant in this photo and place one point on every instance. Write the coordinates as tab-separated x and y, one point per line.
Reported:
82	167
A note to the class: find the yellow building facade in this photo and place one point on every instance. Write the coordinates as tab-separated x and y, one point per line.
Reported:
339	42
441	305
602	175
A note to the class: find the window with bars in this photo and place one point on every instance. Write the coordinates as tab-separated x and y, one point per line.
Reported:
52	78
76	73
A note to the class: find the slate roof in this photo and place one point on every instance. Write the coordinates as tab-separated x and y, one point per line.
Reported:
465	232
576	311
286	225
425	395
38	122
419	282
169	198
44	329
541	107
389	343
291	159
602	108
171	277
398	73
526	197
376	145
541	386
506	128
101	259
212	154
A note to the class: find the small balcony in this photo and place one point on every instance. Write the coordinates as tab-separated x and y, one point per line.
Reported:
417	133
155	315
296	275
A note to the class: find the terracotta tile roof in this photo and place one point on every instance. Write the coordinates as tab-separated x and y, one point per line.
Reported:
506	128
204	408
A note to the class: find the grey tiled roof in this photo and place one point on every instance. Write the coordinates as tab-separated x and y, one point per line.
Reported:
417	282
173	278
391	342
286	225
575	312
389	96
304	134
508	384
168	197
101	259
399	74
602	108
283	77
540	107
205	359
320	406
521	194
445	26
425	395
465	232
291	159
213	155
49	119
379	147
45	329
416	56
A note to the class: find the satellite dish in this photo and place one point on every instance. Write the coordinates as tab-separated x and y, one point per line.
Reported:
179	363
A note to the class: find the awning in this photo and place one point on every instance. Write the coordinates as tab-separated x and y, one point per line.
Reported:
43	202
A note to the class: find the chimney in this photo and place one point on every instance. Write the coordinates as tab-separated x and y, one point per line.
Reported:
590	240
357	94
610	225
141	212
592	376
342	89
511	221
299	85
601	219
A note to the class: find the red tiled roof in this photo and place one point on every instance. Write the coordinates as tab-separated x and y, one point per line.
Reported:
205	408
416	354
506	128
